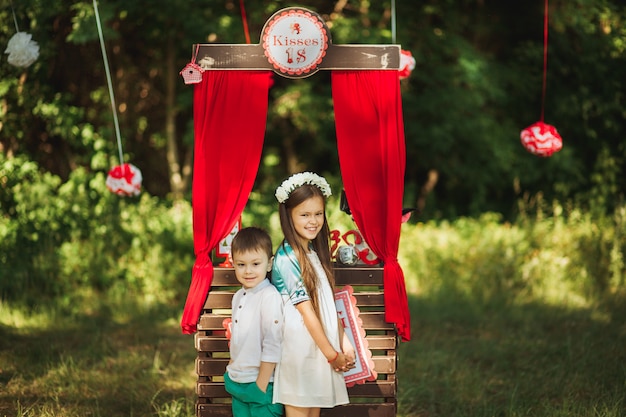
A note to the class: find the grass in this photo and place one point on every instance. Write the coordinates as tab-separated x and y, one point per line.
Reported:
508	320
99	365
464	359
529	359
512	320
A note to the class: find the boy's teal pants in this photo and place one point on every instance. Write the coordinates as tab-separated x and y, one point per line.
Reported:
250	401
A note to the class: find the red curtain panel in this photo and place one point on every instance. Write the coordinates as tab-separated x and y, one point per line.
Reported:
230	113
372	158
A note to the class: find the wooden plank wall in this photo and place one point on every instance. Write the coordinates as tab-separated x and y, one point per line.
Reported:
373	399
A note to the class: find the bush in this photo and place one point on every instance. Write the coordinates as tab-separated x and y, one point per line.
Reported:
30	229
66	242
570	257
60	241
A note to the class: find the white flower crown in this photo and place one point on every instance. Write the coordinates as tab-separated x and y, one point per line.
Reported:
298	180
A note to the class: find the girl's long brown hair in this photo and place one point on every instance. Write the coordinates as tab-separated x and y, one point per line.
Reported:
321	243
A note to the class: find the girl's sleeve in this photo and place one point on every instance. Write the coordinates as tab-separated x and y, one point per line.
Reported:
286	276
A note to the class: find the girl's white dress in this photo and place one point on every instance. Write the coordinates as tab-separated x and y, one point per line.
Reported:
303	377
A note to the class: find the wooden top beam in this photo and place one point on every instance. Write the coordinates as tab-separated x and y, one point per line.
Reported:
338	57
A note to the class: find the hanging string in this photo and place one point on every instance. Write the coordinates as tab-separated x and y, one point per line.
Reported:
245	21
110	84
545	58
393	21
14	18
195	54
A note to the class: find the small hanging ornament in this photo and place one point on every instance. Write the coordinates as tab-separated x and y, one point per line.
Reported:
541	139
407	64
22	50
192	73
124	180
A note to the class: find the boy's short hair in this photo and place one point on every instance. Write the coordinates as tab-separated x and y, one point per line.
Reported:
252	239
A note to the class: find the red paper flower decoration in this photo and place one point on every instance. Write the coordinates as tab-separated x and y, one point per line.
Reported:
227	324
124	180
407	64
541	139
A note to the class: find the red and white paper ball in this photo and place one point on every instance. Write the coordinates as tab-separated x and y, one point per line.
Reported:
124	180
407	64
541	139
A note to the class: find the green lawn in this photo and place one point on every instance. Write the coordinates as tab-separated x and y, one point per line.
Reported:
513	360
96	365
508	320
464	359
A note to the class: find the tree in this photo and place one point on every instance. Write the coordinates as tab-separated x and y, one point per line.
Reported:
476	85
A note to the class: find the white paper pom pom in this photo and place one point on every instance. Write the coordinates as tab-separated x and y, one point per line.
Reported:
22	50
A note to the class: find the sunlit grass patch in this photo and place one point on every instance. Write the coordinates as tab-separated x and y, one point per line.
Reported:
507	320
103	365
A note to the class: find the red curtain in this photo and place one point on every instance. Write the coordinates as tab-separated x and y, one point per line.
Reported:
372	158
230	112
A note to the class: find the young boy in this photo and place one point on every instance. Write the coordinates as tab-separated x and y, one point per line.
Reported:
256	327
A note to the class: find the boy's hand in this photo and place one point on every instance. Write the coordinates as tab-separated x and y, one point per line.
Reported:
262	388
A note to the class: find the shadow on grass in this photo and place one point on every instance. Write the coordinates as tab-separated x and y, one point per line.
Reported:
501	359
465	359
97	366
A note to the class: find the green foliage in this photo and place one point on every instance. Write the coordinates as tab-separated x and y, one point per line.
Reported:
64	241
512	319
30	229
515	319
477	83
570	258
490	249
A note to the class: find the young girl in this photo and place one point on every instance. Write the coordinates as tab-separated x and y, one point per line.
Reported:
315	352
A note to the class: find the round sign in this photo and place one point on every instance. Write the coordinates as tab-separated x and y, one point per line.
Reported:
295	41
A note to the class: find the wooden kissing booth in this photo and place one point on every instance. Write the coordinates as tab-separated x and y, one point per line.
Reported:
231	84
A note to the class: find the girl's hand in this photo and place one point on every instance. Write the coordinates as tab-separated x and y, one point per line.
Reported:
342	363
348	349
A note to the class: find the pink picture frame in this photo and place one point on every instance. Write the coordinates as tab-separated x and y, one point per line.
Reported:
348	314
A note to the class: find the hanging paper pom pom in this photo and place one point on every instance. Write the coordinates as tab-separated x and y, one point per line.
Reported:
22	50
541	139
124	180
407	64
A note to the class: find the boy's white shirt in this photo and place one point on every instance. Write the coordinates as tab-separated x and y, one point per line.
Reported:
256	332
